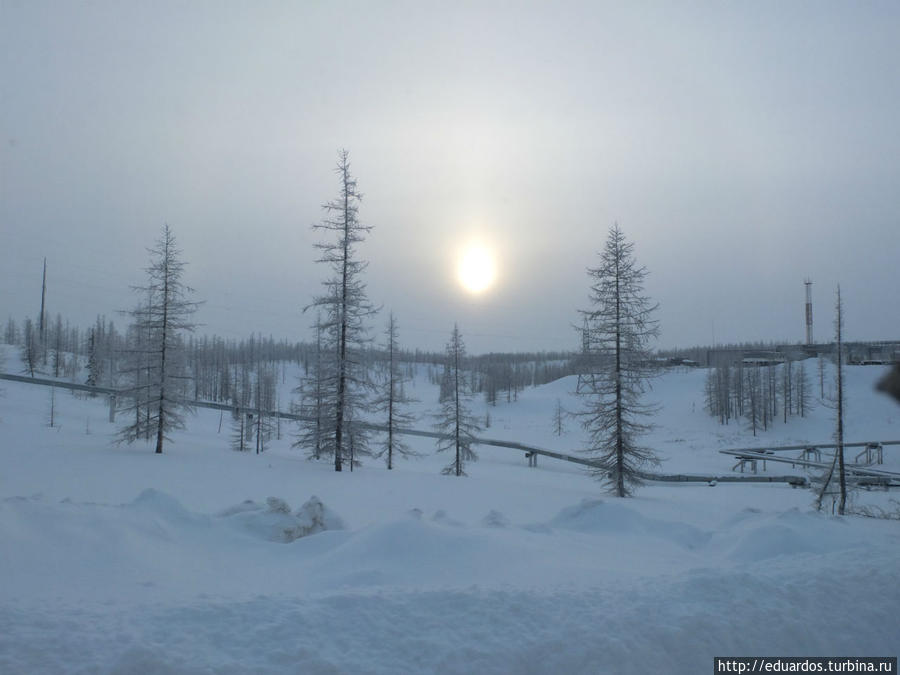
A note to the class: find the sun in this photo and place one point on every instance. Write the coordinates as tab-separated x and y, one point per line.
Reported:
476	270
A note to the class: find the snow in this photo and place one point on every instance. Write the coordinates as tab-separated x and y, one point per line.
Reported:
204	560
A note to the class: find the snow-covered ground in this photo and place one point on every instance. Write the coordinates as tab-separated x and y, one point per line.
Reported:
115	560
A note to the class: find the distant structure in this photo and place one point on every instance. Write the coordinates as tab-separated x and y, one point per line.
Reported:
809	333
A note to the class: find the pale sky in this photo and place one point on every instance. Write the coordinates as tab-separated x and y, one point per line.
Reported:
742	147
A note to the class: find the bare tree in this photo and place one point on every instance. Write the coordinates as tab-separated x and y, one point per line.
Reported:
719	385
393	399
241	420
57	345
312	390
157	326
52	412
264	401
345	307
559	416
839	385
617	365
802	398
821	367
454	420
786	387
11	334
94	363
239	431
30	352
837	463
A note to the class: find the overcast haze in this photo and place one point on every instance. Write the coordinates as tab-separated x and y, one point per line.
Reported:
741	146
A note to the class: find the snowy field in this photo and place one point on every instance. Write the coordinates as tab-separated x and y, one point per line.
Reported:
115	560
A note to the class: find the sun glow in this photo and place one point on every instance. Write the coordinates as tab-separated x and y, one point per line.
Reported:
476	270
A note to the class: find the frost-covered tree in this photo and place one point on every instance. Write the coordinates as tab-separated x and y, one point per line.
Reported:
617	365
771	393
839	403
801	398
753	406
157	368
30	351
312	390
559	416
786	388
821	369
241	423
263	401
719	392
57	345
51	408
239	431
11	334
94	363
392	401
345	308
445	392
837	465
454	420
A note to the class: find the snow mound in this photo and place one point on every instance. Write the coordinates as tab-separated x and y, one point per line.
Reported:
314	517
278	505
275	522
762	537
407	551
595	516
162	505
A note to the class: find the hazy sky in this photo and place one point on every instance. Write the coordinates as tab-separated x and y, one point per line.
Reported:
742	146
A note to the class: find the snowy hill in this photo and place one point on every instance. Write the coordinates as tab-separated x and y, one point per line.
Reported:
117	560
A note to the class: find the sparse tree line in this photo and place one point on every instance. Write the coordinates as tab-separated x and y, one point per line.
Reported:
757	393
502	377
53	350
216	364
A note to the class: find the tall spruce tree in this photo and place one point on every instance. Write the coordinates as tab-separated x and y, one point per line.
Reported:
454	420
617	365
157	367
345	308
